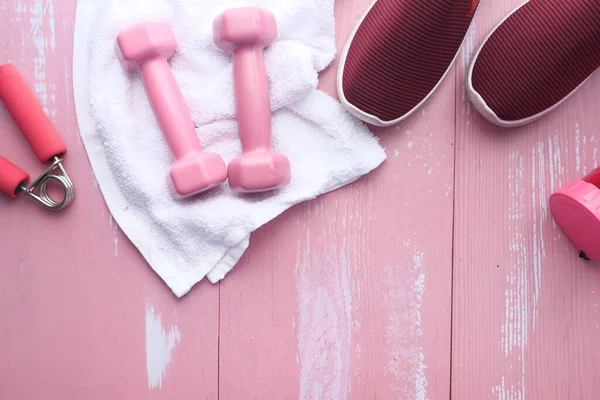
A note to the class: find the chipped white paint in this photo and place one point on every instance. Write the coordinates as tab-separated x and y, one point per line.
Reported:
115	229
551	163
38	12
577	147
524	279
324	321
420	378
516	295
404	326
538	190
507	393
49	9
410	144
556	168
159	347
396	152
595	152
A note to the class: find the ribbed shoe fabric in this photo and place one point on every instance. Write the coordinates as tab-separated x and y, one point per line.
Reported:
535	59
398	55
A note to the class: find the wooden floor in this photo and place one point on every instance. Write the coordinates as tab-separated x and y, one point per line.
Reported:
441	274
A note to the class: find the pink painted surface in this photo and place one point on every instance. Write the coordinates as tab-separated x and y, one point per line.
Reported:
348	296
354	302
526	315
82	316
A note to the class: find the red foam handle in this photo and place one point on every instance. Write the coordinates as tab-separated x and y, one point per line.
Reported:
28	114
11	178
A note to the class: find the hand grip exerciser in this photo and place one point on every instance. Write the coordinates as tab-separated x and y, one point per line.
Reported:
245	32
41	135
147	47
576	209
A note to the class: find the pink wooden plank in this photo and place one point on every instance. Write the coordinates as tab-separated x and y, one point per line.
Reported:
526	309
348	296
82	315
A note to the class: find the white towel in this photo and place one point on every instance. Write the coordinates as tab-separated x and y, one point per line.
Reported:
185	241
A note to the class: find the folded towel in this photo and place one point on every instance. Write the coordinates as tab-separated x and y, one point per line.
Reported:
187	240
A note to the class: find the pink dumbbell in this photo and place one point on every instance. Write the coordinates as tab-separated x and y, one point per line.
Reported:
246	32
148	46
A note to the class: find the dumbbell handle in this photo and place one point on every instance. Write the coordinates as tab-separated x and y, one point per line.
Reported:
169	106
253	105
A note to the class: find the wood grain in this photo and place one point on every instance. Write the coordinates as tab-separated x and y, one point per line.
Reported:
525	306
348	296
82	314
344	297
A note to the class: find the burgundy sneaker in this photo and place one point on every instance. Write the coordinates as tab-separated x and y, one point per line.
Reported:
535	59
398	54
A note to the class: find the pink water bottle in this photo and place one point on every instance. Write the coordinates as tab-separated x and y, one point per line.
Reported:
576	209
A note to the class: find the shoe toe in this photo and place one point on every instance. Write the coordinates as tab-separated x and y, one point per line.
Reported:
534	60
398	55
